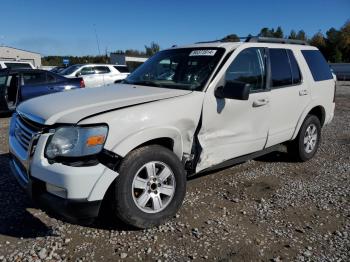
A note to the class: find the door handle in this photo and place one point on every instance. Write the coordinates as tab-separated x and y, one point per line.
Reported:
260	102
303	92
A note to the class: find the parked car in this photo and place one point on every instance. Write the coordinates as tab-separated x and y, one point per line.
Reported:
58	69
96	75
15	65
342	71
18	85
135	145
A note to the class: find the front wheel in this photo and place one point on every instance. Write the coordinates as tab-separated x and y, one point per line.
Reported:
305	145
150	187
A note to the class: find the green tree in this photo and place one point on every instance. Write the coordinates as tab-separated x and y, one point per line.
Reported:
152	49
278	33
266	32
345	41
231	38
292	35
301	35
319	41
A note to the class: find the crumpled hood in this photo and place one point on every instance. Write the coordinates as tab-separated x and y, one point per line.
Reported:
72	106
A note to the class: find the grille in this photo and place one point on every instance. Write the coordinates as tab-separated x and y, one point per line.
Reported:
24	132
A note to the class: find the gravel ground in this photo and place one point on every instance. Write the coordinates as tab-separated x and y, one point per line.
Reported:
269	209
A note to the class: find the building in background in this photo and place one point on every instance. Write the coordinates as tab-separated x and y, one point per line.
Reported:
15	54
131	61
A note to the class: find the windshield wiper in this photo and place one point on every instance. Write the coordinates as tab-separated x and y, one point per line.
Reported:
144	82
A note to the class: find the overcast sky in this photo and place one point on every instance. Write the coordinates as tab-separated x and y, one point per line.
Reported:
66	27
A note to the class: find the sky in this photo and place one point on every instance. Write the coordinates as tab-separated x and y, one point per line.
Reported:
67	27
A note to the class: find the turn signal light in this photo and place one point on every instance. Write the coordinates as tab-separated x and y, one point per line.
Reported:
95	140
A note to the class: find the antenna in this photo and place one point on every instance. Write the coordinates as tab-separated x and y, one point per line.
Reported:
97	41
99	51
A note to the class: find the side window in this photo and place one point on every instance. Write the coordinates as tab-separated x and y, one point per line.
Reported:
88	70
296	76
122	69
281	74
34	78
51	78
249	67
319	68
101	70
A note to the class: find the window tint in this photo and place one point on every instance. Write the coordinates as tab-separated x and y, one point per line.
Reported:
101	70
249	67
296	76
87	70
319	68
122	69
280	68
34	78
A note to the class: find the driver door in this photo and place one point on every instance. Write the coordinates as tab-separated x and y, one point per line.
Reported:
230	127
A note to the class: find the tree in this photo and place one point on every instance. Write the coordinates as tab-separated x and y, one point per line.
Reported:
319	41
332	44
266	32
152	49
231	38
292	35
301	35
278	33
345	41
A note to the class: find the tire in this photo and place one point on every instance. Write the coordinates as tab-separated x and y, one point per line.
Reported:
138	199
305	145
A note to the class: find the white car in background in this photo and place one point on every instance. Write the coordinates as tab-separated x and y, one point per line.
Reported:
96	75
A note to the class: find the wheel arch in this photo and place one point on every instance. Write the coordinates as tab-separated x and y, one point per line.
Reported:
317	110
168	137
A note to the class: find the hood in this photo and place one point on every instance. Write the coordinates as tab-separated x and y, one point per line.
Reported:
72	106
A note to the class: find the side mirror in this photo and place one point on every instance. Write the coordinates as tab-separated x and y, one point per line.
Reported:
233	90
78	74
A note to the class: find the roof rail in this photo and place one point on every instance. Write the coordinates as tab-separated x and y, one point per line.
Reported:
260	39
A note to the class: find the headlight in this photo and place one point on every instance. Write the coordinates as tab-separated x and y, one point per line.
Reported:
75	141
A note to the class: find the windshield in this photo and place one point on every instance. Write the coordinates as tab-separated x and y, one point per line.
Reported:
187	68
69	70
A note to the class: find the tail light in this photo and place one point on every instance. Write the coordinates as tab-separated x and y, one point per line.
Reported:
82	84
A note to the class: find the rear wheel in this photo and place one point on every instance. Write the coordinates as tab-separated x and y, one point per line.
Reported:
305	145
150	187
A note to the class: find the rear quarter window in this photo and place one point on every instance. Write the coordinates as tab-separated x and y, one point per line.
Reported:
122	69
319	68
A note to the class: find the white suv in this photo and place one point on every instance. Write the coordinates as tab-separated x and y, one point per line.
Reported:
96	75
186	110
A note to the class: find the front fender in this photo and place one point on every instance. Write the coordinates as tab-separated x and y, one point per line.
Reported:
148	134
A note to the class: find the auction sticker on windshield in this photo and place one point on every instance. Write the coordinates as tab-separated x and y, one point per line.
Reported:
203	53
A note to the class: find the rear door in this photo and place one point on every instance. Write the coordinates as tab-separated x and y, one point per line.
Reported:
103	75
89	76
35	84
232	128
289	94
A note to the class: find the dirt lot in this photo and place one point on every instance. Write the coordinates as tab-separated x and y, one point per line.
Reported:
269	209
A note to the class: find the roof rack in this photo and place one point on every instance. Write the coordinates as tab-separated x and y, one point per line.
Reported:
260	39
